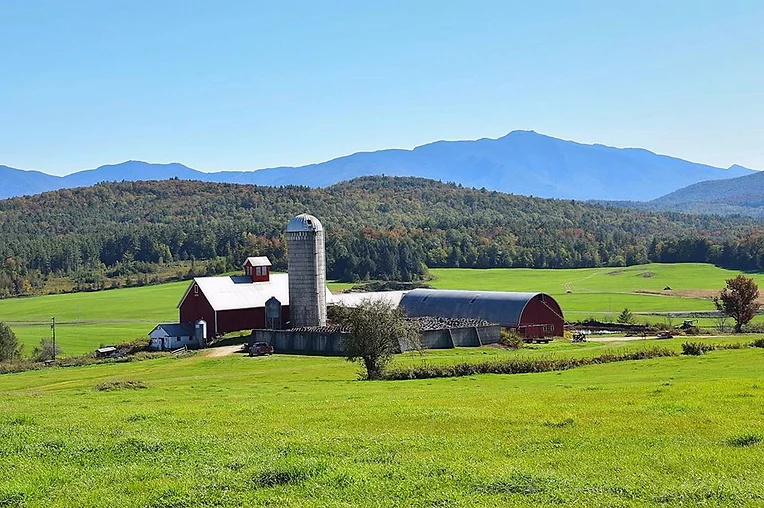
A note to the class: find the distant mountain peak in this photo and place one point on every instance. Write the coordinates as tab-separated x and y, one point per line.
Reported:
521	162
738	167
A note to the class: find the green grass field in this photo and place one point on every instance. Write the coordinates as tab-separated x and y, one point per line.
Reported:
87	320
603	290
302	431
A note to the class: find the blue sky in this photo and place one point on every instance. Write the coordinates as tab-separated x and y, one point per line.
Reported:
241	85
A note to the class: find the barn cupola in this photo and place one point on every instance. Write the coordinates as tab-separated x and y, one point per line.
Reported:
258	268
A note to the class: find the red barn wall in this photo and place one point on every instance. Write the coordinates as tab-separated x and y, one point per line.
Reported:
539	320
195	307
235	320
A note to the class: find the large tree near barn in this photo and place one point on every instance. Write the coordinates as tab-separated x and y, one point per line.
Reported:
738	300
377	329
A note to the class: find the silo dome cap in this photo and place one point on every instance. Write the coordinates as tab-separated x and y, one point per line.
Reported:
304	222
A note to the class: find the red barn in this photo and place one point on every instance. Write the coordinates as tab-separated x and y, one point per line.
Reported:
530	314
231	304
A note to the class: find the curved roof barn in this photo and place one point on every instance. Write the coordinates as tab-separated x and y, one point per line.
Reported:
531	314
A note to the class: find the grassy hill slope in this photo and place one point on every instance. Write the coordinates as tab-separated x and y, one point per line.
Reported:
300	431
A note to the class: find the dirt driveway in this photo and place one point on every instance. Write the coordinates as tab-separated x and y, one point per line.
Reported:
215	352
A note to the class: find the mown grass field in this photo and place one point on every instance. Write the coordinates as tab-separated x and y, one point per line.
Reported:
87	320
598	291
302	431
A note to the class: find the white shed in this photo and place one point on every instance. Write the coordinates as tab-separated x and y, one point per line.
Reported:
173	336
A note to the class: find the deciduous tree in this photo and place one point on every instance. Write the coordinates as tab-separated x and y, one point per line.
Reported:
738	300
377	330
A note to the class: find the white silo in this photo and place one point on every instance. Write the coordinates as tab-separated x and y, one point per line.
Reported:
307	271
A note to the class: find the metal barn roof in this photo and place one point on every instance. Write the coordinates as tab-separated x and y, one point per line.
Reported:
239	292
258	261
501	307
304	222
176	329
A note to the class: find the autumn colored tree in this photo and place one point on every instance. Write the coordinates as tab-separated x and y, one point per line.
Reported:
738	300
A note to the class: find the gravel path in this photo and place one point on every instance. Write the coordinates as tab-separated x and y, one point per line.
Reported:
215	352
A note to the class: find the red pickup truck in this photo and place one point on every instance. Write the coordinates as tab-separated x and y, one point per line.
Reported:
260	348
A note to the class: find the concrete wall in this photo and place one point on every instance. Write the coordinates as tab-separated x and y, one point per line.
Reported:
284	341
331	343
461	337
307	278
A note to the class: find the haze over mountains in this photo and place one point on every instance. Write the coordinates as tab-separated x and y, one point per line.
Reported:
522	162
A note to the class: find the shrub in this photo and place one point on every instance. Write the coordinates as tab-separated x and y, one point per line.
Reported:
519	365
108	386
511	340
744	440
758	343
696	348
754	328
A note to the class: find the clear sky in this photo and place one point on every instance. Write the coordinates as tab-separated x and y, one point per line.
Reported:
240	85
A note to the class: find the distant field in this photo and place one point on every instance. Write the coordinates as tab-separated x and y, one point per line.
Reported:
87	320
301	431
604	290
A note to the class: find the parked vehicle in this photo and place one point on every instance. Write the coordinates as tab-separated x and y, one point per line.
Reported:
260	349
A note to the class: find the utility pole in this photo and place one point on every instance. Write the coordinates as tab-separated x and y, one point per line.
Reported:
53	327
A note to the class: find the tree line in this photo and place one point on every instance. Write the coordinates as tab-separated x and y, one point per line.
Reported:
387	228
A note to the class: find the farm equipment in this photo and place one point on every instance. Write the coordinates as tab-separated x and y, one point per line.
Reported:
260	349
665	335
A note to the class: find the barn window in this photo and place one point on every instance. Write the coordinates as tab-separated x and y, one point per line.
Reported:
196	290
551	327
258	271
249	270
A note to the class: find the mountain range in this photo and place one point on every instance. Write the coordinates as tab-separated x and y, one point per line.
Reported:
522	162
743	195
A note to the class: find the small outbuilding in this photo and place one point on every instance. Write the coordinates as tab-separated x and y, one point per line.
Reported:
171	336
103	352
528	314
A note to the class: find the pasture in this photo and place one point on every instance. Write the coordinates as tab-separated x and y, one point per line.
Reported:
86	320
302	431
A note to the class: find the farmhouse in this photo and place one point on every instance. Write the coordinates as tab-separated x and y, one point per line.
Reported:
529	314
171	336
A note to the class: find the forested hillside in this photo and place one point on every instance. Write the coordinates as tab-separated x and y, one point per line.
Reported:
377	227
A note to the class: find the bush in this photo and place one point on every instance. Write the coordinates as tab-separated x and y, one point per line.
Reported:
744	440
753	328
109	386
520	365
696	348
758	343
511	340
